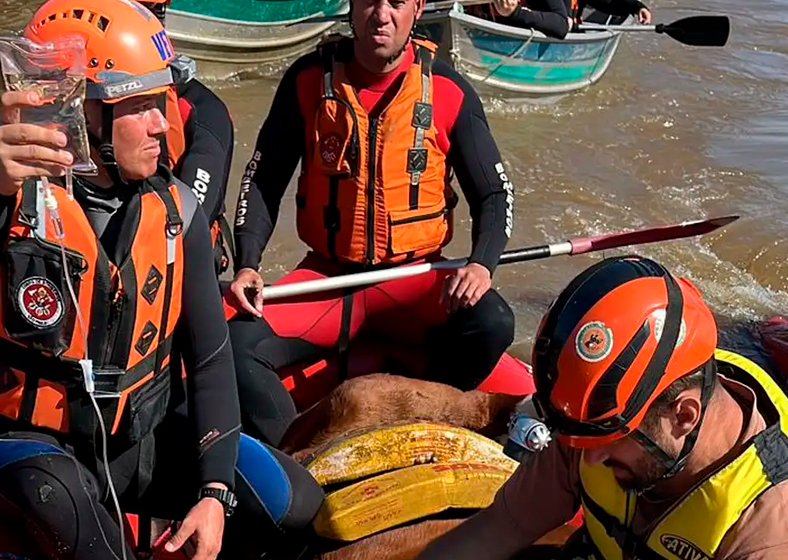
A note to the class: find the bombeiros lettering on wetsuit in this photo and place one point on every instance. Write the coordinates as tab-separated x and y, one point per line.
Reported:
509	188
246	184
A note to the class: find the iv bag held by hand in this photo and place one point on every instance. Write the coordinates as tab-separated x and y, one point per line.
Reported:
56	72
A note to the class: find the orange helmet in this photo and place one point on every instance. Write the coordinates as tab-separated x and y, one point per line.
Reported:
128	52
616	337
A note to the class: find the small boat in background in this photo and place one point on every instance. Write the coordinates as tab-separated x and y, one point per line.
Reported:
247	32
522	62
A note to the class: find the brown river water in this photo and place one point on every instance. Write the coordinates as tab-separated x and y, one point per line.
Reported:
671	133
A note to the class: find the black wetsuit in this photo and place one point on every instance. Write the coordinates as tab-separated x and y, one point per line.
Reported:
546	16
205	164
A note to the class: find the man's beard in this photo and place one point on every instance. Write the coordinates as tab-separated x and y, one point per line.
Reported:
640	478
647	472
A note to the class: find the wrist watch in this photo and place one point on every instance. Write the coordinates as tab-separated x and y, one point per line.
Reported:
225	497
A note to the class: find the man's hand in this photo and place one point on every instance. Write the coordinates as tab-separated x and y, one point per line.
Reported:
644	16
466	287
245	279
27	150
506	8
205	522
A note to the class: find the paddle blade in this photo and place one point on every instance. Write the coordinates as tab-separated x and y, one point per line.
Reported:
651	235
702	31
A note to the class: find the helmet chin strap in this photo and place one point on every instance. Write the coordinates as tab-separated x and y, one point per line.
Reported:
674	465
104	145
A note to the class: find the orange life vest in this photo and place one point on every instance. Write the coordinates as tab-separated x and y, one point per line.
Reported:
130	311
375	189
175	138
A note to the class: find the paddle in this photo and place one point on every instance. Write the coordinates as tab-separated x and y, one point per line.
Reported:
700	31
576	246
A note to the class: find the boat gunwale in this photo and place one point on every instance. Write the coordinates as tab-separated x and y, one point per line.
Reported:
248	44
246	23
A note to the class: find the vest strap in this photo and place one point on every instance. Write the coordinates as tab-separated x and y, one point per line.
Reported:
32	210
331	216
772	447
421	122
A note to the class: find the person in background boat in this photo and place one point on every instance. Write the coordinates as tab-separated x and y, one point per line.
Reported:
136	248
673	448
199	145
546	16
622	8
378	125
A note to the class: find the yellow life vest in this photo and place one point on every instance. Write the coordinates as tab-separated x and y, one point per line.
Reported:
694	527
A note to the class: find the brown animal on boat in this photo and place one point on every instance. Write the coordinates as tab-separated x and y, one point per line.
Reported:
380	399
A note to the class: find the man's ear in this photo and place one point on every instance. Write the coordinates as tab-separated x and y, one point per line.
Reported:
685	413
93	117
420	7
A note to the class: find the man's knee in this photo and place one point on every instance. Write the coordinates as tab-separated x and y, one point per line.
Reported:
246	332
491	320
497	318
43	491
273	485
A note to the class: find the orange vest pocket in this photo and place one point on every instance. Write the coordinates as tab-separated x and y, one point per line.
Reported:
418	230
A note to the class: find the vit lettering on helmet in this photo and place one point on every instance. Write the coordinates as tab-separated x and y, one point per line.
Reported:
246	184
509	188
200	186
163	46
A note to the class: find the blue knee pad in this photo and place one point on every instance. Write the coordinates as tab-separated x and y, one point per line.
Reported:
13	450
259	467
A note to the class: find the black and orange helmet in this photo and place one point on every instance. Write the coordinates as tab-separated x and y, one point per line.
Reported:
619	334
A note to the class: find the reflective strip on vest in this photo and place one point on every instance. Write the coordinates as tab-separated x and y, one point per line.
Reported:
695	526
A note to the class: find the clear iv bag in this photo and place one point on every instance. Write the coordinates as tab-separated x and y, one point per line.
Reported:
56	71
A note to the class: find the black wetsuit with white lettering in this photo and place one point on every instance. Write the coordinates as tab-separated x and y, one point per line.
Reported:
464	346
208	130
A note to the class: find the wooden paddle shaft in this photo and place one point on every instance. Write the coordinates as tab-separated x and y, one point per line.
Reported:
627	28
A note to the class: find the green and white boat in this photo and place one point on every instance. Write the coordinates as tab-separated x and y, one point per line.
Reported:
522	62
247	31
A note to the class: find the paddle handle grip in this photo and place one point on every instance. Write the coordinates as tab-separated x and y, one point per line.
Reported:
534	253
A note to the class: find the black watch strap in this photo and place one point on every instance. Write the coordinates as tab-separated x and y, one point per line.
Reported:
225	497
